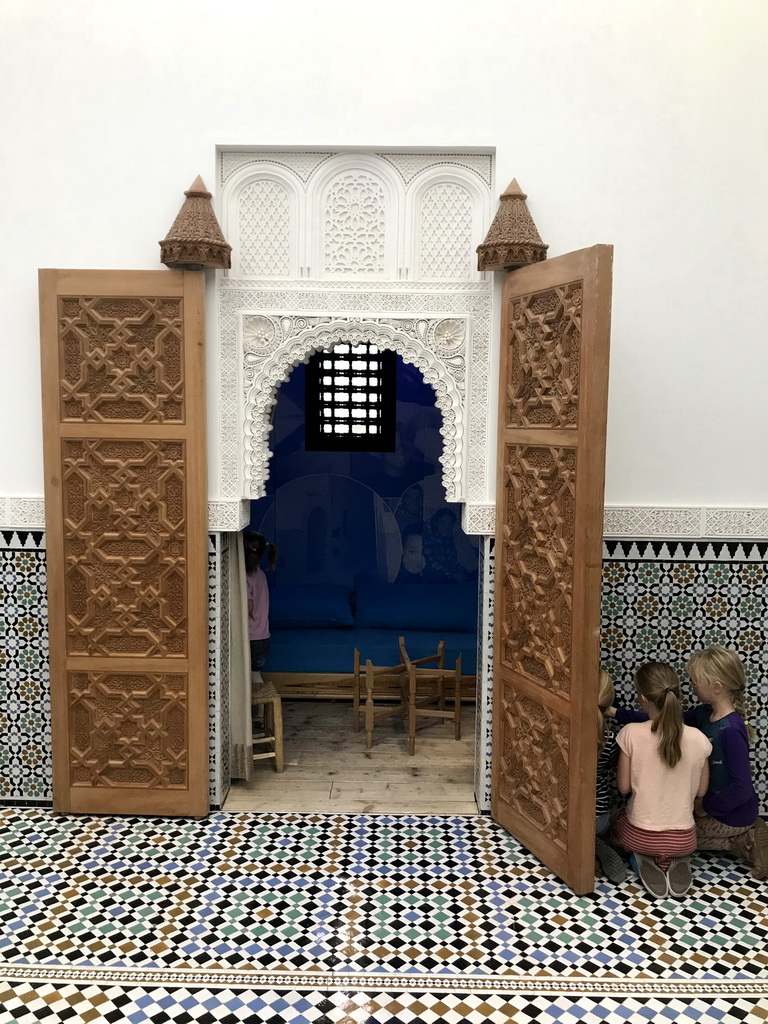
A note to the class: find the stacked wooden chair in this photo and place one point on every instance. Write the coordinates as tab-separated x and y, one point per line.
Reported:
433	680
423	683
373	714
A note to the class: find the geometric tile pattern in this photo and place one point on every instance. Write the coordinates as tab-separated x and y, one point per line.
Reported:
664	600
484	699
353	897
25	710
661	600
27	1003
214	761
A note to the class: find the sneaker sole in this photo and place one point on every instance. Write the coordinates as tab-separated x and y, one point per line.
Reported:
679	867
652	877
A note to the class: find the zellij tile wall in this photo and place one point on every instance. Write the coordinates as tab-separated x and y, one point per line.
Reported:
661	600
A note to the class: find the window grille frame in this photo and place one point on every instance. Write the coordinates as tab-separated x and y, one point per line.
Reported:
342	400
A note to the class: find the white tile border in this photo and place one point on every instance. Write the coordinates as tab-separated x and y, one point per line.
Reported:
228	515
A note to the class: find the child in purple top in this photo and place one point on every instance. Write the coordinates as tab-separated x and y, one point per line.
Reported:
726	816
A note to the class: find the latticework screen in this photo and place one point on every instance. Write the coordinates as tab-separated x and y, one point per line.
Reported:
350	399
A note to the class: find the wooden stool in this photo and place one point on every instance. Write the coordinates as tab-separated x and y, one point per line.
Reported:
434	678
264	693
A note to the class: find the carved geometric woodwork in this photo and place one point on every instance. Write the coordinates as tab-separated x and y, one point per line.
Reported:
513	240
121	360
124	434
535	570
543	379
194	240
534	759
551	452
128	729
125	547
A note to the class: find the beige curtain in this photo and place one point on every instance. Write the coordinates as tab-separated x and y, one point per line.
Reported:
240	666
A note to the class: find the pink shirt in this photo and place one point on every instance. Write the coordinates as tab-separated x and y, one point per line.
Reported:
662	797
258	620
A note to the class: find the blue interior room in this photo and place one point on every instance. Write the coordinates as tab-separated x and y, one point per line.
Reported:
369	549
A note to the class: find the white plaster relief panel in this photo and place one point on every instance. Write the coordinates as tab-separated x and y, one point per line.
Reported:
445	235
352	214
354	244
264	219
464	355
274	344
354	226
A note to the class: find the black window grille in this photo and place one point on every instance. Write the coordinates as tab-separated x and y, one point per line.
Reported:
350	400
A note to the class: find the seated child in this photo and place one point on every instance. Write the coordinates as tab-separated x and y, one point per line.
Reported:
663	764
726	816
608	757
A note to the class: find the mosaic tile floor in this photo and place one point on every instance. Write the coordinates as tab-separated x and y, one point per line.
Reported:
333	917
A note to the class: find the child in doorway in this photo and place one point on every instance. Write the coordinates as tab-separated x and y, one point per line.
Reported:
664	765
258	596
607	759
726	816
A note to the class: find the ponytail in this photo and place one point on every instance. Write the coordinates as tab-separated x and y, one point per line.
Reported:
670	725
271	555
660	686
255	546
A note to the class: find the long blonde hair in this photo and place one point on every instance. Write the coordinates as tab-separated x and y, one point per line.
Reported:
659	684
605	697
717	664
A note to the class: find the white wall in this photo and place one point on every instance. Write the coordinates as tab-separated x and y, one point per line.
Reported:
637	123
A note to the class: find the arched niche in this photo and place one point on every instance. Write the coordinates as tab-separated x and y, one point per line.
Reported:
356	203
273	345
446	212
263	207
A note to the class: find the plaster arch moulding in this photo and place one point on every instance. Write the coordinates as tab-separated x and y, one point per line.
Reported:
329	245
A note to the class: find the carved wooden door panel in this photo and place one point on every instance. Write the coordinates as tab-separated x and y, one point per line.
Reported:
552	416
123	368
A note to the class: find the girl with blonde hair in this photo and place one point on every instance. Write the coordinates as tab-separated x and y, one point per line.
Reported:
726	816
663	764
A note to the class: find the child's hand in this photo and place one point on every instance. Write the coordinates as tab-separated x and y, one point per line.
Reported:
698	808
609	712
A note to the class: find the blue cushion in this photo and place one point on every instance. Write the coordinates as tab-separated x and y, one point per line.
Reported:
332	650
310	607
451	607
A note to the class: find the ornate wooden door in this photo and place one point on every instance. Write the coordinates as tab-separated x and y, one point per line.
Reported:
123	367
552	415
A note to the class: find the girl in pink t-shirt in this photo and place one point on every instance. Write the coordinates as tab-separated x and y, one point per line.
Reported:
256	547
663	764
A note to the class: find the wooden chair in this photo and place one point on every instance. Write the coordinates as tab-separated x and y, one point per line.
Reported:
431	690
372	713
264	693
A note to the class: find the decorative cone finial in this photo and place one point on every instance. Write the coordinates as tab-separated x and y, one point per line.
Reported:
195	240
513	239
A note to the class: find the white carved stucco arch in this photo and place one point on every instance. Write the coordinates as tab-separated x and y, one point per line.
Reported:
273	345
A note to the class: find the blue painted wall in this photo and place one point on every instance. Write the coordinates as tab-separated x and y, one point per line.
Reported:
337	514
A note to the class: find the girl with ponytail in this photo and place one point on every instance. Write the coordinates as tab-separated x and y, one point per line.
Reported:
663	764
726	816
256	547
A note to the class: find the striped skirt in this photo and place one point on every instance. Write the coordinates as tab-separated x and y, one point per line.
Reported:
662	846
